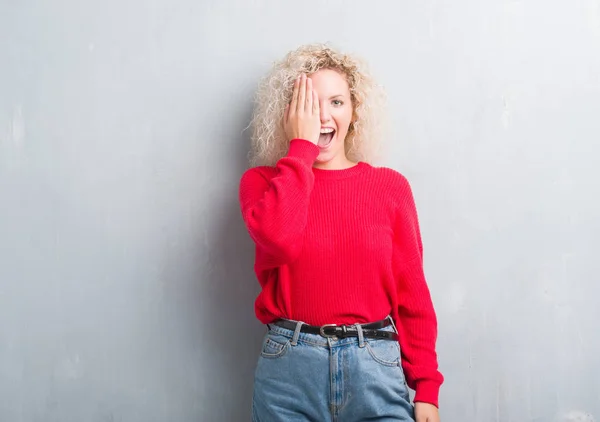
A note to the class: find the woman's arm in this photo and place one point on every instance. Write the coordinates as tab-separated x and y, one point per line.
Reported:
274	203
417	322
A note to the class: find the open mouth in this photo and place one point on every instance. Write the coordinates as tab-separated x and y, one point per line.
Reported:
326	137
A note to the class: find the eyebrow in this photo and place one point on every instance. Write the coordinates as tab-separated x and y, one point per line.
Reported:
335	96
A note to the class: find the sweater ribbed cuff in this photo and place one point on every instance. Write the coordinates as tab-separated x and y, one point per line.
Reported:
428	392
303	149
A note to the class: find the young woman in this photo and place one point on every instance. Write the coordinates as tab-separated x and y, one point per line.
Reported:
349	317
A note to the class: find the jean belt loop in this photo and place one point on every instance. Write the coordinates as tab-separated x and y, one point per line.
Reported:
294	341
393	324
361	337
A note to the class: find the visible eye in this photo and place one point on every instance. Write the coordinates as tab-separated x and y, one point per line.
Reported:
337	103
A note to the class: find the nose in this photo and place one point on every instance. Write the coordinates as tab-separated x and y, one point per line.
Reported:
325	115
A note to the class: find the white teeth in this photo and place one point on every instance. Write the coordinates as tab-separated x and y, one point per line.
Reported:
326	130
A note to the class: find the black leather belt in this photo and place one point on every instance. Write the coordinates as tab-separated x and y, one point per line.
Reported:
371	330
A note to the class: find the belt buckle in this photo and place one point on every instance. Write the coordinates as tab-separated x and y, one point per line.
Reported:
324	327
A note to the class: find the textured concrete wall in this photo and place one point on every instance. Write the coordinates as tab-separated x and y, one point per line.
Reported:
126	285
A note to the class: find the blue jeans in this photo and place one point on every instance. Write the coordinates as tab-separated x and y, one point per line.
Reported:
307	377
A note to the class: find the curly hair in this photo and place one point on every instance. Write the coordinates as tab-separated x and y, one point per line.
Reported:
274	92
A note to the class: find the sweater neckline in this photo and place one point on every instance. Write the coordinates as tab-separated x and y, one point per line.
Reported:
323	174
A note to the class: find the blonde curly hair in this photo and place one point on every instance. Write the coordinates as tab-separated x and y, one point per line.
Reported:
269	142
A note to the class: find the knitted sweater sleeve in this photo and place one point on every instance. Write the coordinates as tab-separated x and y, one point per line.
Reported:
274	204
417	322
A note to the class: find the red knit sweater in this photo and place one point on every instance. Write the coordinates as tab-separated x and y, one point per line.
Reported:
341	247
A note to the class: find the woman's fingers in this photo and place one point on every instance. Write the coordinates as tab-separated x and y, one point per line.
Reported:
301	117
302	94
309	96
294	102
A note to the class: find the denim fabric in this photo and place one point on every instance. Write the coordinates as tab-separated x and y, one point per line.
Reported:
306	377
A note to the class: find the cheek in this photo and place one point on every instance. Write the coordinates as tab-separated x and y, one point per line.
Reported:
343	121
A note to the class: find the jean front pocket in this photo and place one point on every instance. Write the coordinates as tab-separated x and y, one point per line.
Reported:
274	345
385	352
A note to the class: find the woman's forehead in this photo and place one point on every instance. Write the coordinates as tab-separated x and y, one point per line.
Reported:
330	82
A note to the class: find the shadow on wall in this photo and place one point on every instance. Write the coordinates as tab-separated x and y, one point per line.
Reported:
231	288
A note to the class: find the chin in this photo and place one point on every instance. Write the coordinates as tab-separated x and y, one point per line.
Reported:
326	157
330	152
322	159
